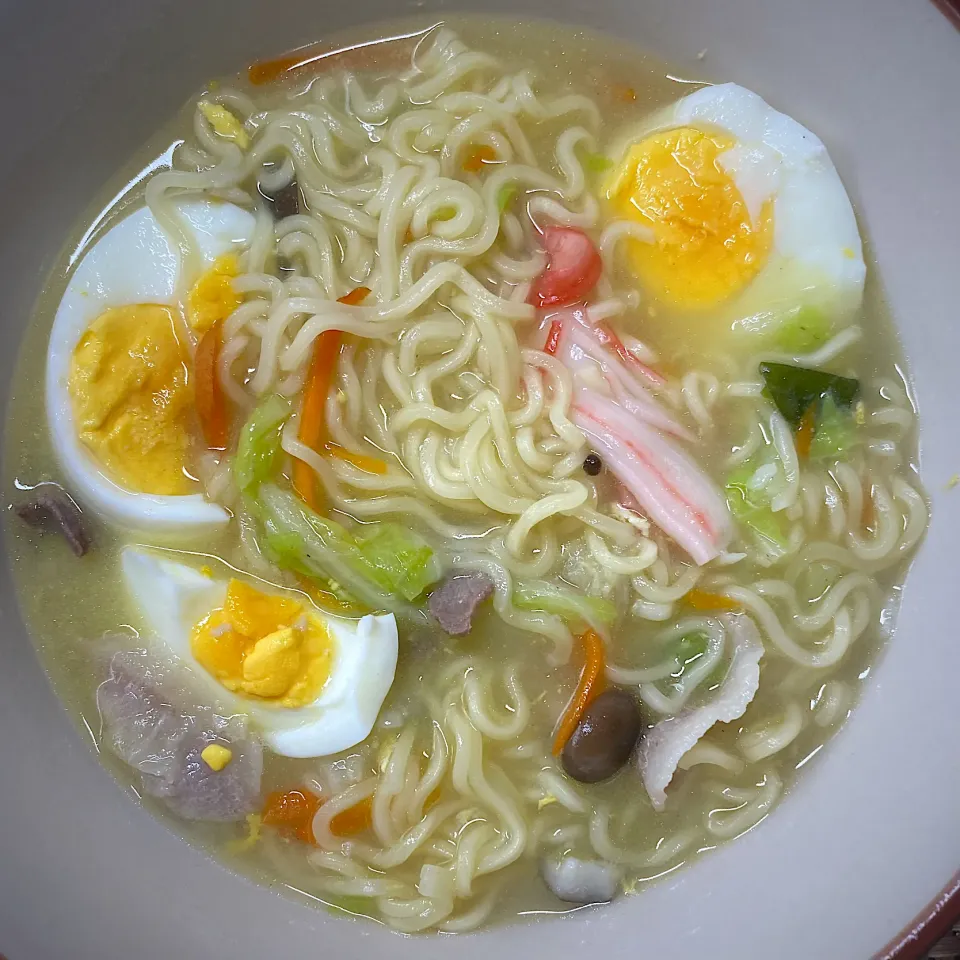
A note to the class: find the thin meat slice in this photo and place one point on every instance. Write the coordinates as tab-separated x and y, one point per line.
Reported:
148	723
662	748
672	490
573	268
455	601
51	507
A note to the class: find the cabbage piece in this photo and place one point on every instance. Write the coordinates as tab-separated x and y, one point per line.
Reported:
258	449
300	540
398	560
505	196
749	502
597	163
836	433
567	604
803	329
690	647
794	390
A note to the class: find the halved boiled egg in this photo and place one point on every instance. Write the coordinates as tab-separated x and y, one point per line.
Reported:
119	391
311	683
747	217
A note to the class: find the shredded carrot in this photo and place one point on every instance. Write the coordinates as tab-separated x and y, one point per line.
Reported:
703	600
478	157
326	349
353	820
360	460
325	352
292	811
589	686
553	338
805	432
208	391
355	297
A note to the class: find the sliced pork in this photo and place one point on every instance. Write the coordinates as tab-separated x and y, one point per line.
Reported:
662	747
148	724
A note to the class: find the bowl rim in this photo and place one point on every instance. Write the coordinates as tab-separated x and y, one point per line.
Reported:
918	938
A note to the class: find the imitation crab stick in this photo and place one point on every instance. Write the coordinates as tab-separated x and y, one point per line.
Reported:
672	490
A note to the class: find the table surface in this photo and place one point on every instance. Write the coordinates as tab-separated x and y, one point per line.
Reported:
948	948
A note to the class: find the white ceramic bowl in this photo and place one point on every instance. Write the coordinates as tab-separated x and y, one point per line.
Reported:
866	841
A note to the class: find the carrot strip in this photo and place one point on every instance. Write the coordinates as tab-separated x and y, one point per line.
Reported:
589	686
703	600
478	157
353	820
553	338
293	812
326	349
360	460
355	297
805	432
208	391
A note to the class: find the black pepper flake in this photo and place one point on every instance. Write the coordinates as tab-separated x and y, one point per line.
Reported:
592	465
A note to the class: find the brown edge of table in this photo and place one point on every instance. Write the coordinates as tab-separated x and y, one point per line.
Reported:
918	938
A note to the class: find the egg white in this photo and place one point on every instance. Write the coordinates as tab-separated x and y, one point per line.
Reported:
173	597
134	262
817	256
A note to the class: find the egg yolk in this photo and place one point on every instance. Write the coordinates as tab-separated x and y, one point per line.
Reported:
705	247
212	297
132	400
264	646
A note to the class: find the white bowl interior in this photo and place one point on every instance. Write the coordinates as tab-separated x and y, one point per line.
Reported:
862	844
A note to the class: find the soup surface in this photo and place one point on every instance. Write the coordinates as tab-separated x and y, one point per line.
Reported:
490	469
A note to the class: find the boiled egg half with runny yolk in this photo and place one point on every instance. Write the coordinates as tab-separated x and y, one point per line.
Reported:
119	381
312	684
745	216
